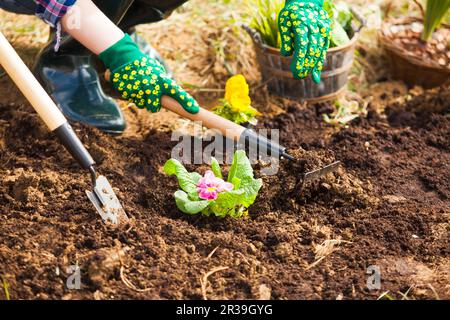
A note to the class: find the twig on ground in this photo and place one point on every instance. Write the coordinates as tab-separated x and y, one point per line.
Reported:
405	295
124	279
257	88
315	263
128	282
212	252
434	291
197	88
204	280
324	249
243	257
385	294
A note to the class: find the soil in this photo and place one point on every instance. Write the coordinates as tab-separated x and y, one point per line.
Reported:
387	206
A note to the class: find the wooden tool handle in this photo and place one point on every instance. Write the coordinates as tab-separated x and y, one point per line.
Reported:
42	103
208	119
29	86
228	128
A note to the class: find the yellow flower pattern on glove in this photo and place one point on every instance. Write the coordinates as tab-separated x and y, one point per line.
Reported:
144	82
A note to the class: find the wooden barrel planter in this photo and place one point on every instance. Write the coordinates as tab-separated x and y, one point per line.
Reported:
407	67
277	74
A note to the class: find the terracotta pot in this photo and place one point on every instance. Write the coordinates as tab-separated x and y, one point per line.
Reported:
406	66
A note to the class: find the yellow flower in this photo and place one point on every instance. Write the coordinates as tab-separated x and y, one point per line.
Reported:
236	84
237	93
240	102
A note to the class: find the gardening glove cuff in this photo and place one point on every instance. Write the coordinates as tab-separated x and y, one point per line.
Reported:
121	53
141	79
305	32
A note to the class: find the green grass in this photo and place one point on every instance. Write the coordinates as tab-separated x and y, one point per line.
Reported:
263	15
5	288
435	12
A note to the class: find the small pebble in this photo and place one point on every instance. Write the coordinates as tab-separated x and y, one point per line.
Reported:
43	296
264	292
283	250
252	249
190	249
440	47
394	199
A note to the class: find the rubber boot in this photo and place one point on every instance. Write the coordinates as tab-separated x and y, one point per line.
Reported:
70	77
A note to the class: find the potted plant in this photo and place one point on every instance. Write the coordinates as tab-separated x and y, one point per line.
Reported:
236	106
418	49
275	69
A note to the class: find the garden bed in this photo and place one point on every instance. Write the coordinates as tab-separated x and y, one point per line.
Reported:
387	206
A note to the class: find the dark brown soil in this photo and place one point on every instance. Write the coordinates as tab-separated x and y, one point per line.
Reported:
387	206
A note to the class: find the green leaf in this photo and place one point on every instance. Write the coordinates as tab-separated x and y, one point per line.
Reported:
435	13
342	14
328	6
239	213
187	181
339	36
251	188
224	110
188	206
241	167
226	202
195	177
215	167
263	17
231	198
236	183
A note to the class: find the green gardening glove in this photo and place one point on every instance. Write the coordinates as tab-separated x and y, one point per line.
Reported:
305	32
141	79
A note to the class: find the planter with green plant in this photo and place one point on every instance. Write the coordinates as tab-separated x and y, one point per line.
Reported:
419	49
262	25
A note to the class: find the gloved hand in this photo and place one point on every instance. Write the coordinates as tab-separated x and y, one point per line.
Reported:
141	79
305	32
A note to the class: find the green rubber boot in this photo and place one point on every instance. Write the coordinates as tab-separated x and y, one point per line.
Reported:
70	77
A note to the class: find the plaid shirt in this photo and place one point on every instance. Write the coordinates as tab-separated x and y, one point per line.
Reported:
51	11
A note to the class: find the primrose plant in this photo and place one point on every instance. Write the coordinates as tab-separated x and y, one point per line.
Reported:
236	105
211	194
